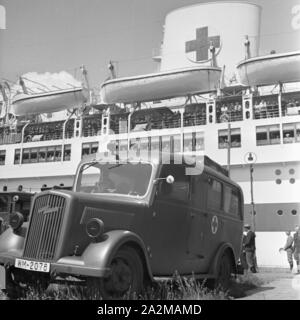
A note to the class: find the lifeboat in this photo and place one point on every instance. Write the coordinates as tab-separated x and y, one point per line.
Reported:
270	69
47	102
162	85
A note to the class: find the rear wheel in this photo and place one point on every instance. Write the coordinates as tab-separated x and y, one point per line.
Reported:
224	272
126	277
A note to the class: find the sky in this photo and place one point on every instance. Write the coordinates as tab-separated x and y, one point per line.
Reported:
52	36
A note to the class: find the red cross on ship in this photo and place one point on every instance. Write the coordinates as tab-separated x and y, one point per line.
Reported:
202	44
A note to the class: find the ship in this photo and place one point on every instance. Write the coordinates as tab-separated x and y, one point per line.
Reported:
214	95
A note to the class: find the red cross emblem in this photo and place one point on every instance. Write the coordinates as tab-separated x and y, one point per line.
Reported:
214	224
202	44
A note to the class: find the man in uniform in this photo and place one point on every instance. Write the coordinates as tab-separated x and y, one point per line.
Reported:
288	247
297	247
249	247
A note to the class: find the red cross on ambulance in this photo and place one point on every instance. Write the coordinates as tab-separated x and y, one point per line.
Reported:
214	224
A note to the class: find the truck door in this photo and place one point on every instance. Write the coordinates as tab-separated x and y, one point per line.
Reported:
169	225
198	222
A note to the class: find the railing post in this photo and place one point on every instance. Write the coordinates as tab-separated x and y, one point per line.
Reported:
280	100
63	137
22	141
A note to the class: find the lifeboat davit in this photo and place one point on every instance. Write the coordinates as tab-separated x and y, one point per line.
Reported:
270	69
47	102
162	85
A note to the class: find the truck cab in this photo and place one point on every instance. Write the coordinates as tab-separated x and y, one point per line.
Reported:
129	221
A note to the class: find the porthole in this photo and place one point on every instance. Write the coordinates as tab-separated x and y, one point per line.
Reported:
292	180
291	171
277	172
280	212
294	212
278	181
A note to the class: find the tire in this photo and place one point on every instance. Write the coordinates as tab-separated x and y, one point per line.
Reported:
126	278
13	291
224	272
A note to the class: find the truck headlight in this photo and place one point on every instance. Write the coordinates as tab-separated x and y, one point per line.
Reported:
94	228
16	220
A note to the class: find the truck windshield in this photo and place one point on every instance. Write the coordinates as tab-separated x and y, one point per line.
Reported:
124	178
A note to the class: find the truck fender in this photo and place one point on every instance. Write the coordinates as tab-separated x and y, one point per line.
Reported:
100	254
224	247
11	240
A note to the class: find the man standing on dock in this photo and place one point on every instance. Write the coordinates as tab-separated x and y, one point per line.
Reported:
297	247
249	246
288	247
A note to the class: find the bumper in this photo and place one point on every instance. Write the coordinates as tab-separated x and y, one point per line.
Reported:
74	266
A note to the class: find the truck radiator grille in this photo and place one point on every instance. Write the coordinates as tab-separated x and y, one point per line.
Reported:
44	229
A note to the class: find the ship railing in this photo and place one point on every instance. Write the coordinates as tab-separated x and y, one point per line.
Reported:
230	116
268	111
190	120
91	126
9	136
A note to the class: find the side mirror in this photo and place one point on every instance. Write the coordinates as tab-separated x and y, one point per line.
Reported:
170	179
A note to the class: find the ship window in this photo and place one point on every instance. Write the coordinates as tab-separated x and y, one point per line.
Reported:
17	156
89	148
26	156
291	132
144	147
199	141
58	153
266	135
2	157
176	143
123	148
67	152
33	155
50	154
297	132
42	155
188	142
235	138
166	149
214	194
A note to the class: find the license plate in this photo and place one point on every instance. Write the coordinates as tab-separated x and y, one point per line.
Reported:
32	265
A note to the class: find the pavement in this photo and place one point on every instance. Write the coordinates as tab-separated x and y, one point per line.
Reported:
277	286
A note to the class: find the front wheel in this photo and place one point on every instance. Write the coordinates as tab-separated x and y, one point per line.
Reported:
126	275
